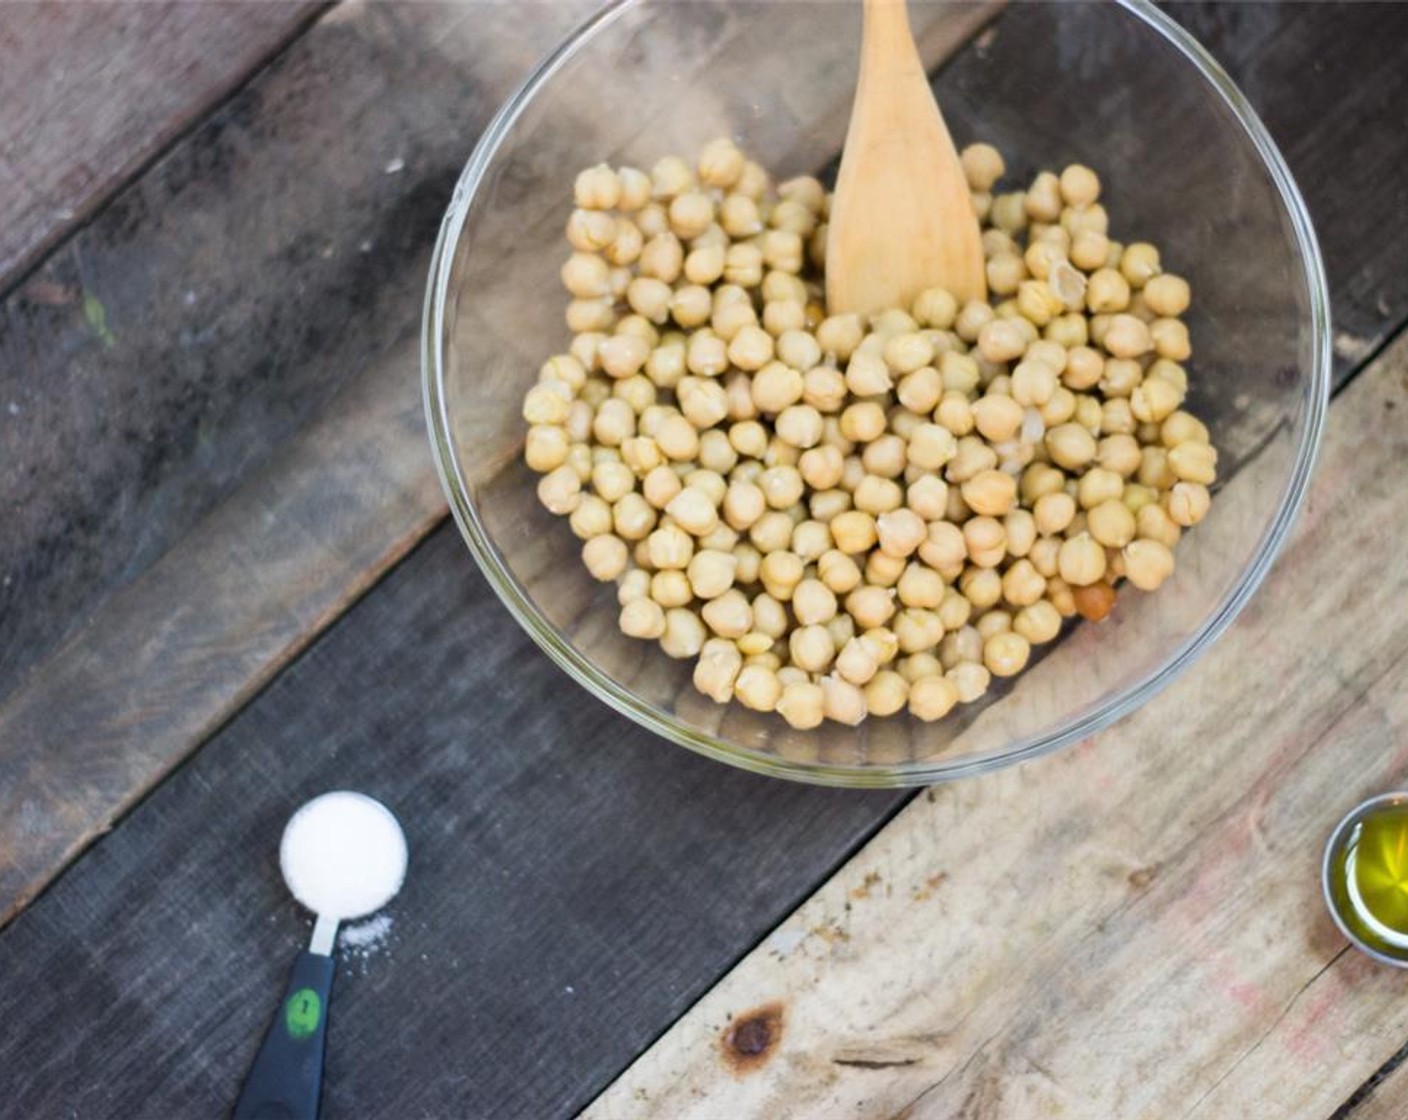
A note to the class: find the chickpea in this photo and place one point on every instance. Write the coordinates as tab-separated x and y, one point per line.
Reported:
885	457
837	571
997	417
871	606
954	413
772	532
1193	462
821	467
749	560
1098	485
730	615
842	701
1033	383
719	665
858	661
758	688
900	531
1039	303
1111	524
867	374
1106	291
982	166
802	704
1187	503
971	458
863	422
928	497
1139	263
970	679
877	495
990	493
1095	601
744	503
1038	622
560	490
1169	338
1070	446
1082	561
1001	340
1127	336
886	693
545	448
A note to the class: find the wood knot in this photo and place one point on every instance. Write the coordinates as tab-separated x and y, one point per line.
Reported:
752	1039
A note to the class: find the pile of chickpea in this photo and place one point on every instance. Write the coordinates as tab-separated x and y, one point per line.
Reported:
843	516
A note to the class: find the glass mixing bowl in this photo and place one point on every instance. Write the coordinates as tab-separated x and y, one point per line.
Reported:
1185	164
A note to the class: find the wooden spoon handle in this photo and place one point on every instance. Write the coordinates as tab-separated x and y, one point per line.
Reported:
902	219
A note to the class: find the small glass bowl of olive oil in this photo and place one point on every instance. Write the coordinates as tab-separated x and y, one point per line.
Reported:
1365	876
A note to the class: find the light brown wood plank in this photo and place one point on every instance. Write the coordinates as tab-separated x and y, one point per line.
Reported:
1132	928
89	91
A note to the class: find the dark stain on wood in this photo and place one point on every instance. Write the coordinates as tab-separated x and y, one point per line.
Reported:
750	1041
875	1063
1141	877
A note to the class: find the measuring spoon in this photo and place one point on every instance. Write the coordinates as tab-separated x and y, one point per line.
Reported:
343	856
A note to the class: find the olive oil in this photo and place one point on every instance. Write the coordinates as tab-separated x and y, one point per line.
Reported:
1366	877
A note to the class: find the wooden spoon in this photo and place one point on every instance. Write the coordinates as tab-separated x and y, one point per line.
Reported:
902	219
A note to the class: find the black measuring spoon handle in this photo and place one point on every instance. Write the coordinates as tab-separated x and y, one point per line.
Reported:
286	1079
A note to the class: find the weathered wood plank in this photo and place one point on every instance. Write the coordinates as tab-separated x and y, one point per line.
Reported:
1287	57
166	352
169	658
169	627
1383	1097
319	523
574	885
90	92
1133	928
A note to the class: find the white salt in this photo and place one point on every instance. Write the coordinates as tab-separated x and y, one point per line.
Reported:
343	855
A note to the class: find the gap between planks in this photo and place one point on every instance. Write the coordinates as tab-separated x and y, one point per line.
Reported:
1130	928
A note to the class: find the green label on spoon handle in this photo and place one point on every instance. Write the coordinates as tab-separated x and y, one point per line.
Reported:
302	1012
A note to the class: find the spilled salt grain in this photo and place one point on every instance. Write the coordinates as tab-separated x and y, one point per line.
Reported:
367	937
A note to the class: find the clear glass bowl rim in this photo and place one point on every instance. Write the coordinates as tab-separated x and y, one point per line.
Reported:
585	673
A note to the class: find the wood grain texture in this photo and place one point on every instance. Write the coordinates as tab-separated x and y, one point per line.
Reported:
1287	57
1384	1096
169	658
89	92
165	658
1133	928
296	402
574	884
164	354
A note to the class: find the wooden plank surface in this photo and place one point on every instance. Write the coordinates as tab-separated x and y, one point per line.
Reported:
1148	903
165	353
574	884
284	381
161	660
153	1027
92	91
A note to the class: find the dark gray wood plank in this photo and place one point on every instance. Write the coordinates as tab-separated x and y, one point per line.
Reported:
90	92
161	356
575	884
1329	81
